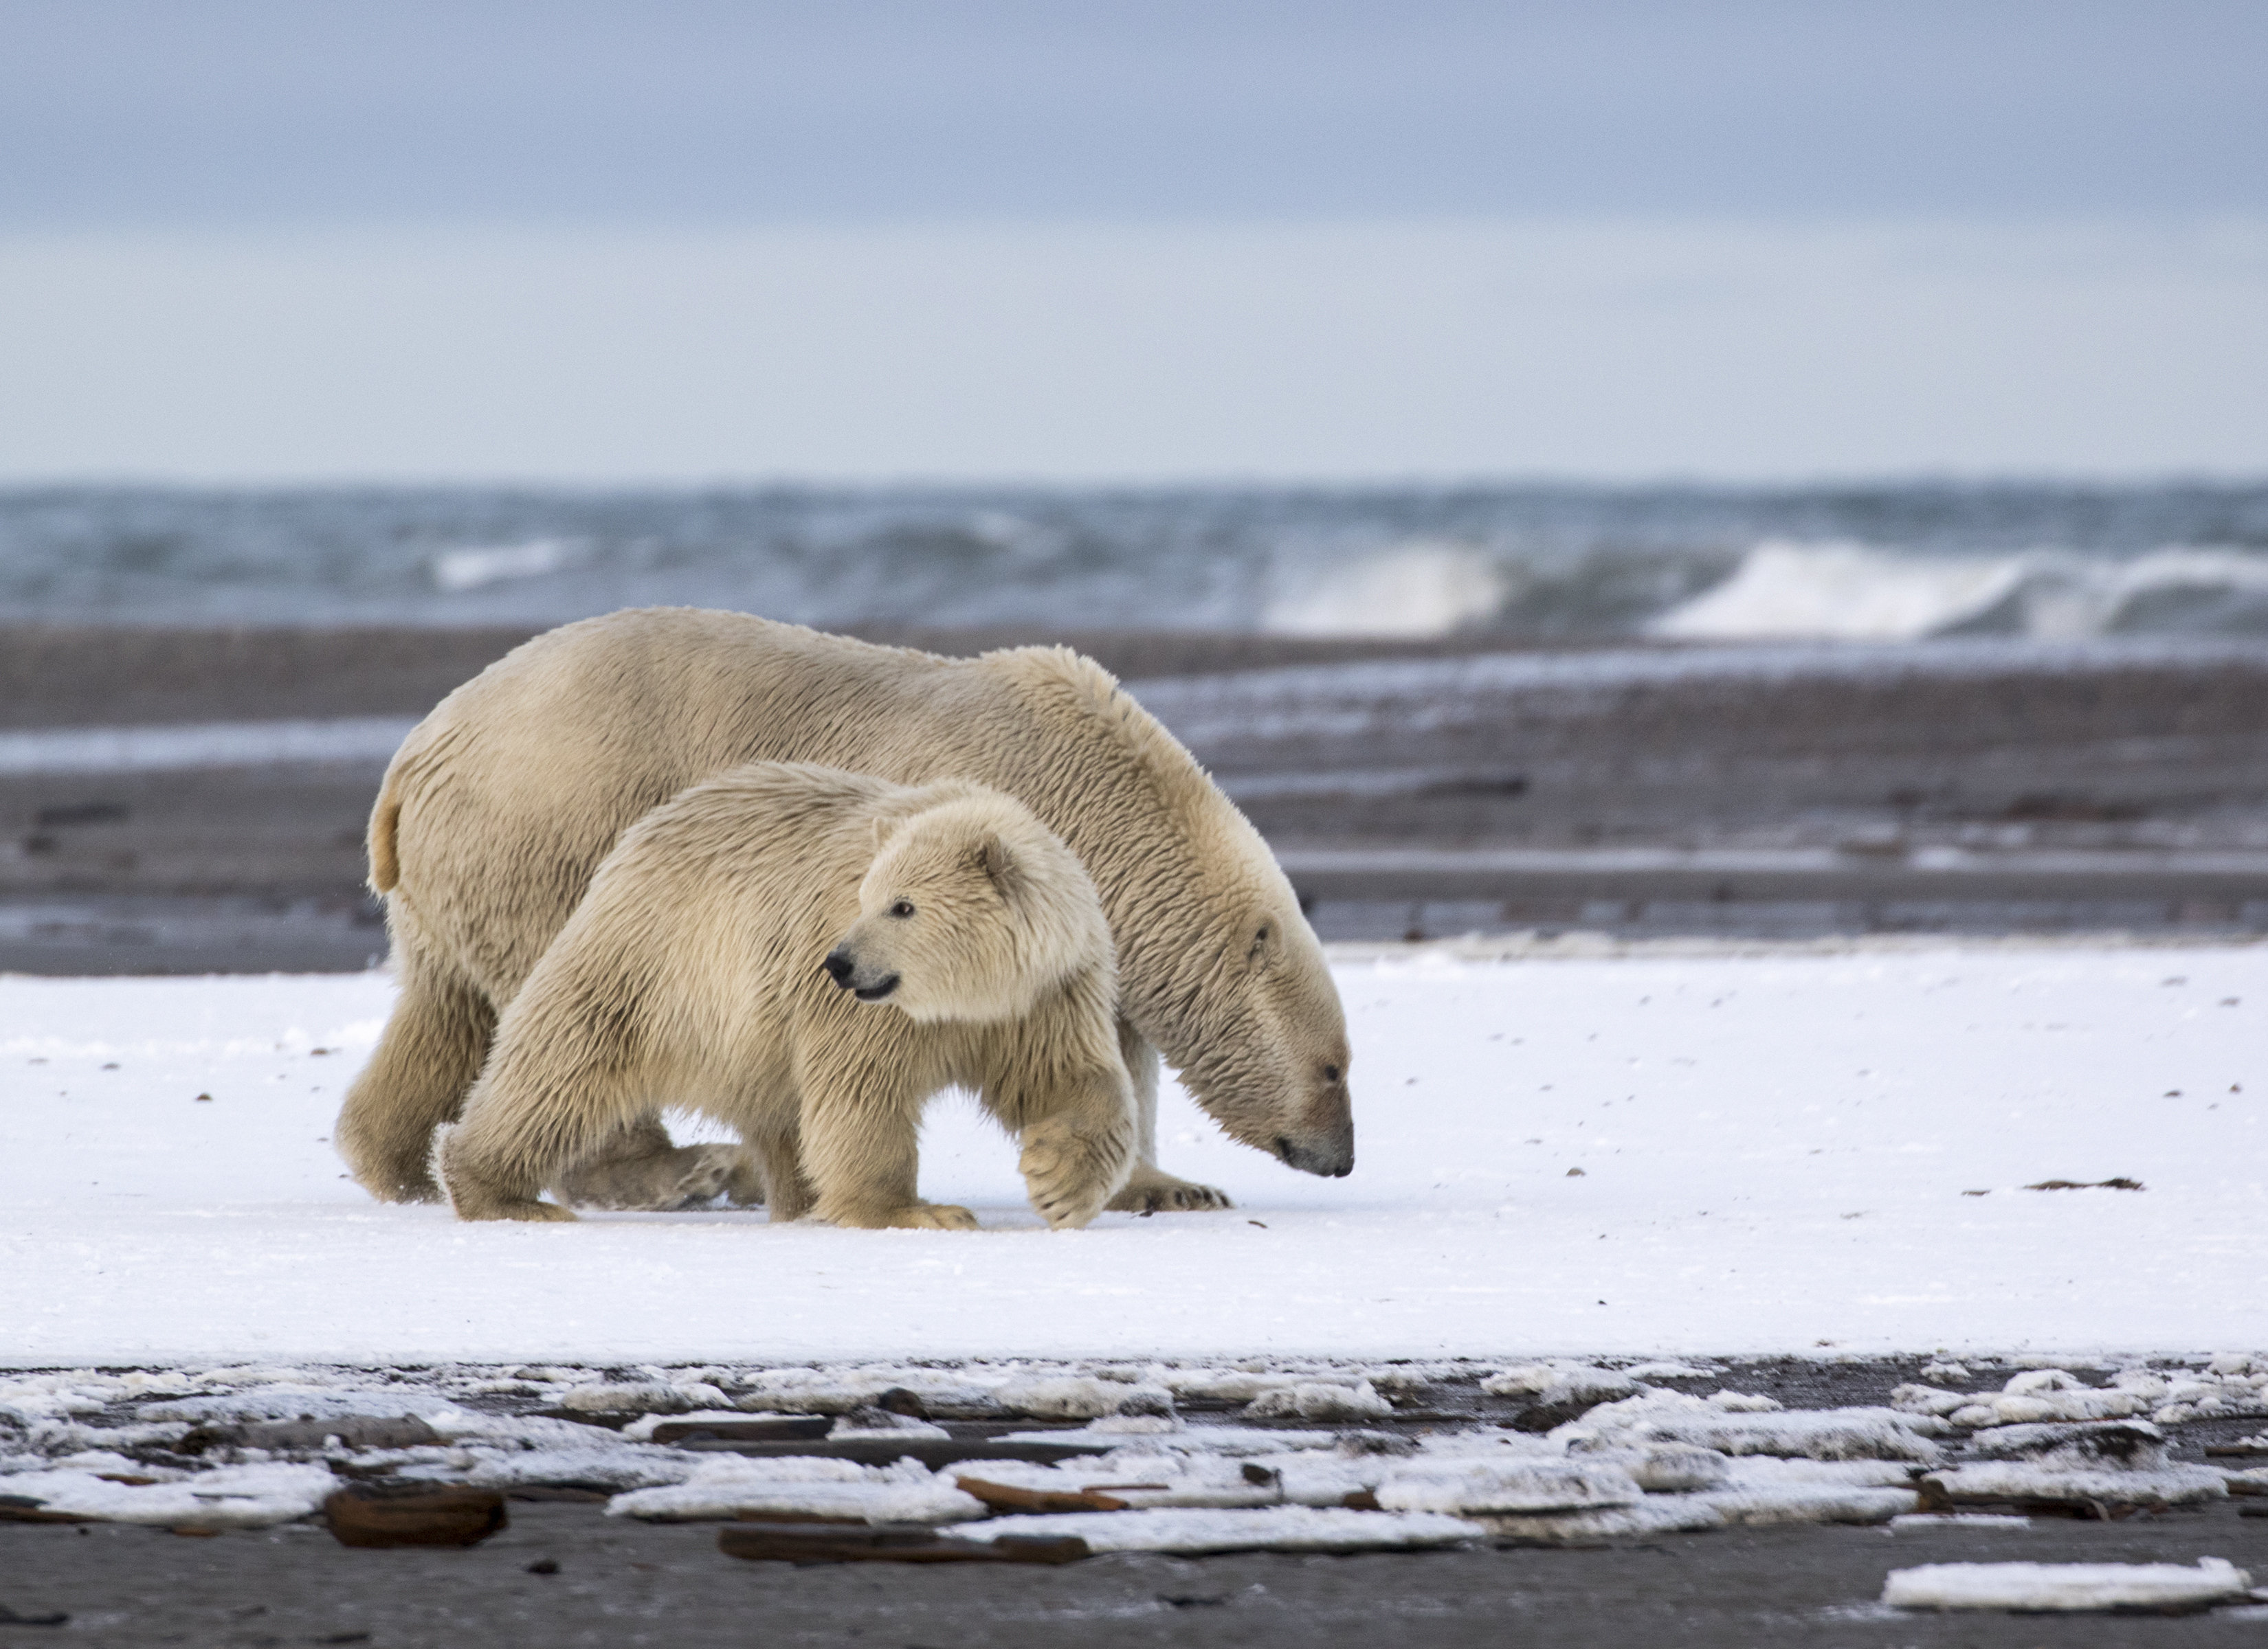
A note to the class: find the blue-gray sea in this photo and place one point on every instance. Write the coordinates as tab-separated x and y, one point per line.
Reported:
1531	563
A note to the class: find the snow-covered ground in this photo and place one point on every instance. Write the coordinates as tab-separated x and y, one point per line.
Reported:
1775	1154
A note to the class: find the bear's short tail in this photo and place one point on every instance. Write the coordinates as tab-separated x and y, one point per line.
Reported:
385	822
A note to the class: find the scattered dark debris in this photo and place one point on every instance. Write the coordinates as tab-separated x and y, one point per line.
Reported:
884	1543
2121	1184
10	1617
1189	1601
1574	1174
1977	1193
542	1565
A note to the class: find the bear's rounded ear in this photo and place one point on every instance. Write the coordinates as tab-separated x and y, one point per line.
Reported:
1000	868
881	831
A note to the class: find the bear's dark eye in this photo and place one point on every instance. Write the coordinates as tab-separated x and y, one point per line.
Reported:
901	909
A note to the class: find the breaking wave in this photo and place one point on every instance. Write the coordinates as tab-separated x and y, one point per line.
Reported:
1841	591
1530	564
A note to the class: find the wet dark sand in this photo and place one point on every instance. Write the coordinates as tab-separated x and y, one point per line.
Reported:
622	1583
1854	780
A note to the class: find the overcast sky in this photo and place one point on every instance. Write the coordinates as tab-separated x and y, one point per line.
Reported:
592	206
135	111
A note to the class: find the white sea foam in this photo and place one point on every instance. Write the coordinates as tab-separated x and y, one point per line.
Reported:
459	569
1414	589
1786	590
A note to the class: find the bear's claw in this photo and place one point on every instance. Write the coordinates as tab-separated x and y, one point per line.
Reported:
1152	1192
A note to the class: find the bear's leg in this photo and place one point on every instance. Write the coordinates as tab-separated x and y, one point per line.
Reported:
639	1166
860	1134
544	1099
1150	1189
429	1054
777	1149
1078	1149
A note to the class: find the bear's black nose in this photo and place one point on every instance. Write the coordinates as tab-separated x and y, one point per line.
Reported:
839	968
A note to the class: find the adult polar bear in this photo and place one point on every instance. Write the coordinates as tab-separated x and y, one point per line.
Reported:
498	808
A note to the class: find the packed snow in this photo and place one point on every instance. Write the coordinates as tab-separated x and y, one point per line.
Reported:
1646	1156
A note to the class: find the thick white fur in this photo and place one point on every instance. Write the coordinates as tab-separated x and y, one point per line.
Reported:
497	809
692	973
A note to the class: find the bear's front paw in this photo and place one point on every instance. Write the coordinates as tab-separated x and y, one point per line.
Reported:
932	1216
1067	1175
1151	1192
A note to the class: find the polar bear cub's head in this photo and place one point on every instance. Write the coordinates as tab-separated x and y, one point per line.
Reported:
972	909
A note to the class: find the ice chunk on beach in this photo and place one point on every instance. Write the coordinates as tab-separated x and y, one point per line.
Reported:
1080	1397
1856	1433
800	1486
1320	1400
645	1398
2036	1397
1480	1485
227	1496
2025	1480
1809	1502
1656	1514
2061	1586
1273	1529
2101	1445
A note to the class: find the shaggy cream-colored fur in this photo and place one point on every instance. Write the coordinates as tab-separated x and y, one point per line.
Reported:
498	808
721	959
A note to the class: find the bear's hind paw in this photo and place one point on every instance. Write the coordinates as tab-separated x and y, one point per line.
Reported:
1152	1192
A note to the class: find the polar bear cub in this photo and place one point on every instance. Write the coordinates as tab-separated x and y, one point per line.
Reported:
808	956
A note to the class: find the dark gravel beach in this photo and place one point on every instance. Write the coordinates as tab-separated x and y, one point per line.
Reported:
618	1582
1412	789
564	1573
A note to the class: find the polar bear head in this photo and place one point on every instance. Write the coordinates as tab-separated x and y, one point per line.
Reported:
972	909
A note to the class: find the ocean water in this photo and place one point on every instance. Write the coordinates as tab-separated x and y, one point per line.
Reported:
1543	564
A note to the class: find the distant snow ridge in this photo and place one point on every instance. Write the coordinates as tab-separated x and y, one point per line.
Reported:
1302	1456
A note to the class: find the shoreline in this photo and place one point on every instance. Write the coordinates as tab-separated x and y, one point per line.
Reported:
189	799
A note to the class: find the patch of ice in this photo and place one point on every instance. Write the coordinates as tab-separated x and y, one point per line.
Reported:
1671	1467
1079	1397
2071	1485
287	1400
2133	1444
1476	1485
1809	1502
2065	1586
1275	1528
1656	1514
1768	1471
722	1487
1916	1522
642	1429
648	1398
228	1497
1315	1399
1855	1433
